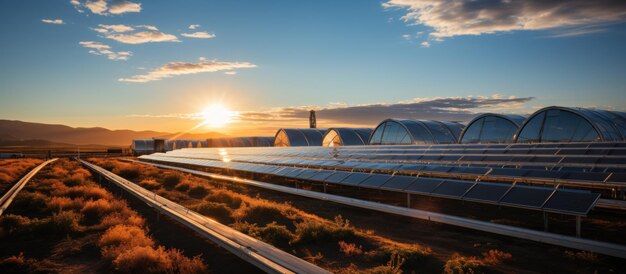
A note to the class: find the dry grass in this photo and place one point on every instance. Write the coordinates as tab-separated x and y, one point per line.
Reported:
65	208
11	170
281	224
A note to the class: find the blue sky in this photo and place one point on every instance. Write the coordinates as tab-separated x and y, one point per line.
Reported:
300	55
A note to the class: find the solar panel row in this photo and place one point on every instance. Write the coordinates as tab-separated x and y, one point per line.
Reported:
515	195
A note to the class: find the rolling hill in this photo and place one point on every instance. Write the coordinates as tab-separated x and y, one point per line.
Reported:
12	131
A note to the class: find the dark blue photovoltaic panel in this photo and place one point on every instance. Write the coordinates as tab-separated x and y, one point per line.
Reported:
355	178
469	170
307	173
423	185
337	177
547	174
398	182
508	172
321	175
585	176
487	192
452	188
284	171
294	173
572	202
375	180
527	196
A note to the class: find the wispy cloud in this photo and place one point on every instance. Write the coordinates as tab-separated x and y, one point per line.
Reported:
194	26
425	44
124	7
369	115
182	68
135	34
450	18
102	7
113	28
102	49
232	72
199	34
53	21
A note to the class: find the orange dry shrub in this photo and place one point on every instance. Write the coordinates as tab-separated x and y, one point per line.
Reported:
13	169
350	249
131	251
496	257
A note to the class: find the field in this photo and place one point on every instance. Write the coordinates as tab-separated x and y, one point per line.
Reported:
347	240
11	170
62	221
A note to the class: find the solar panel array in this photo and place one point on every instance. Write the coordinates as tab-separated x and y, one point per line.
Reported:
401	169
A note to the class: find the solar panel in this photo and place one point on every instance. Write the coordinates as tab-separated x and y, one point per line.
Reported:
585	176
509	172
545	174
355	178
307	173
470	170
571	202
398	182
452	188
487	192
527	196
337	177
284	171
423	185
320	175
375	180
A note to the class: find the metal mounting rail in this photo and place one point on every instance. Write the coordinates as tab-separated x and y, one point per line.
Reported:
516	232
6	200
264	256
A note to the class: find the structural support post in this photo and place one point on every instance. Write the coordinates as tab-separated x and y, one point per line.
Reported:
578	226
408	200
324	187
545	221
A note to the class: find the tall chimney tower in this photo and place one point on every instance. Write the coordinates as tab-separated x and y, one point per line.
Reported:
312	120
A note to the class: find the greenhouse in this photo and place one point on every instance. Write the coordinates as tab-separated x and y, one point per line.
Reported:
299	137
561	124
491	128
405	132
346	137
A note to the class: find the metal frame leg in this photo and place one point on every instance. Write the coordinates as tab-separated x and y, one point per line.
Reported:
578	226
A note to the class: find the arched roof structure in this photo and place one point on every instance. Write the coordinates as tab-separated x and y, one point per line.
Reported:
562	124
491	128
406	132
298	137
346	137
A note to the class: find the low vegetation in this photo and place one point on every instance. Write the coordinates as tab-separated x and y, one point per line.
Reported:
11	170
335	244
62	221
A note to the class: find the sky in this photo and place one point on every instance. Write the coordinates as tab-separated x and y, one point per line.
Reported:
157	65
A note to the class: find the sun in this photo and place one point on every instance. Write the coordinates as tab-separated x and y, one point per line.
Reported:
217	116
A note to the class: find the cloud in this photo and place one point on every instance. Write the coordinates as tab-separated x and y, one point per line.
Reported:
460	109
113	28
102	49
101	7
450	18
194	26
98	6
135	35
425	44
181	68
232	72
53	21
124	7
199	34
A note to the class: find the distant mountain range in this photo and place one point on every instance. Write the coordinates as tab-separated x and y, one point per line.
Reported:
15	133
